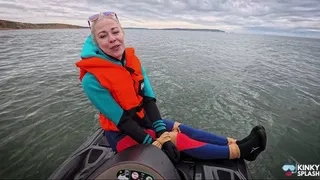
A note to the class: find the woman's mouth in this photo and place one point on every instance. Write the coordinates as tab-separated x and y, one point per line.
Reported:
115	48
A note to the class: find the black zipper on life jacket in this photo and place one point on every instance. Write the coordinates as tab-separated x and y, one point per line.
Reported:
131	71
122	61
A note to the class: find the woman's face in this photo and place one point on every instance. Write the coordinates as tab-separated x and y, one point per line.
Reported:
110	37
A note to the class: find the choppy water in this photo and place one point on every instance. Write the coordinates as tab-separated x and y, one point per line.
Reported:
223	83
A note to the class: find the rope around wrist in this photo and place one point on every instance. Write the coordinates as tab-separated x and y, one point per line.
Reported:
176	127
165	137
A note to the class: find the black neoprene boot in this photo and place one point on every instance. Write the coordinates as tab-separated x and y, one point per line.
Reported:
251	146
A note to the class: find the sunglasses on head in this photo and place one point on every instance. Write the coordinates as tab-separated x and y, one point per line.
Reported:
97	16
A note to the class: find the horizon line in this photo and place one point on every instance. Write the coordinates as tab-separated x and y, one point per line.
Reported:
268	33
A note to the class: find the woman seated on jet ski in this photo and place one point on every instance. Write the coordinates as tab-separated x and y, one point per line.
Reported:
116	83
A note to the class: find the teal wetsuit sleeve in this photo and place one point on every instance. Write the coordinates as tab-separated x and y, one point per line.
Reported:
101	98
148	91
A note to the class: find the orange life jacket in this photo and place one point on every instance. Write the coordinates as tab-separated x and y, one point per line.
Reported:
124	83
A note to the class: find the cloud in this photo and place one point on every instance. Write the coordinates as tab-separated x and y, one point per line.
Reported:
229	15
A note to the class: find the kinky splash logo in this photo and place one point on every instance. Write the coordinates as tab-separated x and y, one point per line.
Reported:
302	169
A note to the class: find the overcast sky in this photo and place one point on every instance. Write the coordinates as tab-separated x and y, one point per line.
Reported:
299	17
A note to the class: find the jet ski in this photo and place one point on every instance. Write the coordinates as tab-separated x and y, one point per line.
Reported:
95	159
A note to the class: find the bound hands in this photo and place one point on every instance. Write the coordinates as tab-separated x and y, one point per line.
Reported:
164	142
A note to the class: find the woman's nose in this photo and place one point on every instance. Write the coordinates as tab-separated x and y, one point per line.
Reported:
111	39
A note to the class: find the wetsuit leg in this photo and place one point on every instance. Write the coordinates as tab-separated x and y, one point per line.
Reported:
201	150
197	134
119	141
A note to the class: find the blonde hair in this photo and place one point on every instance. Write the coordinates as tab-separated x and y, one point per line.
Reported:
93	26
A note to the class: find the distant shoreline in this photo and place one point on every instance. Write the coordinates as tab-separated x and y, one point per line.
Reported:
6	29
12	25
178	29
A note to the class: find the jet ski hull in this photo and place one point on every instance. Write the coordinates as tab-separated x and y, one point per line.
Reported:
95	159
